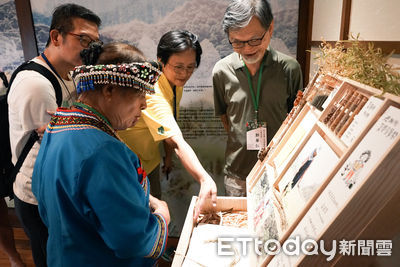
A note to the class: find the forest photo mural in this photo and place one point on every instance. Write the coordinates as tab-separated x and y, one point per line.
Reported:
142	23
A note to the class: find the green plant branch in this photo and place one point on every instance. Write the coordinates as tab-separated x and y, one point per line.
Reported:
360	62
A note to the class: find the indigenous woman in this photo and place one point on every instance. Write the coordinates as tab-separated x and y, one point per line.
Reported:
92	191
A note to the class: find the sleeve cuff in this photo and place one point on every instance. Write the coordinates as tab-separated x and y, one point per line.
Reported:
162	238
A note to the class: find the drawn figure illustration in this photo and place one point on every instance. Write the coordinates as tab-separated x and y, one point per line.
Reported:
352	170
302	170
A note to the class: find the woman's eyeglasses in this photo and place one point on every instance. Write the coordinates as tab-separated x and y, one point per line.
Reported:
252	42
84	39
179	69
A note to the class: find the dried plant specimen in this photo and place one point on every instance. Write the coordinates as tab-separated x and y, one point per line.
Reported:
226	218
360	62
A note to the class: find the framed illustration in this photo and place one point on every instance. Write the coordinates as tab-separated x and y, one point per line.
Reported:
358	169
305	175
268	217
256	197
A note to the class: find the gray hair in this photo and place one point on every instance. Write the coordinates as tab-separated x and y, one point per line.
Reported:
239	13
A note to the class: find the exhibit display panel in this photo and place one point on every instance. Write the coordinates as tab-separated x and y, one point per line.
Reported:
329	174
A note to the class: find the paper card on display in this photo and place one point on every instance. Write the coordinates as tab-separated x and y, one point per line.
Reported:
351	175
269	217
361	120
294	141
257	195
330	97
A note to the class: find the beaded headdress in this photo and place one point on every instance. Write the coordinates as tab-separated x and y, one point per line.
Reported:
139	75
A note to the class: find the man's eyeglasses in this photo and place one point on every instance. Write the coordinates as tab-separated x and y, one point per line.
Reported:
84	39
252	42
181	69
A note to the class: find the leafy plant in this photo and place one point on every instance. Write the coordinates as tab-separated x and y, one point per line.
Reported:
359	61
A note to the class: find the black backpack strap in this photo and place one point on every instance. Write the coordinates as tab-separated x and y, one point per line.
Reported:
31	65
4	78
33	137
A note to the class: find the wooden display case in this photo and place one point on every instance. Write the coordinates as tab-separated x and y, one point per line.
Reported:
223	203
331	172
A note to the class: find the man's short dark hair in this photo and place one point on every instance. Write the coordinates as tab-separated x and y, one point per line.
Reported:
64	14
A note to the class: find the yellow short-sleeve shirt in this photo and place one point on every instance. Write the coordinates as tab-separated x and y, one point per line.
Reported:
156	124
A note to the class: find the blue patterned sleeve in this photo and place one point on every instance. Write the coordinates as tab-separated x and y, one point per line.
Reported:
116	203
159	246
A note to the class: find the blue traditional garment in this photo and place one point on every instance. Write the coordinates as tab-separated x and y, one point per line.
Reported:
94	195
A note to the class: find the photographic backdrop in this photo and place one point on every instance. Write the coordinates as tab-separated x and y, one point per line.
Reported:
142	23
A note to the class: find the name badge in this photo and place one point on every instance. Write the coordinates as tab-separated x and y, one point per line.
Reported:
256	136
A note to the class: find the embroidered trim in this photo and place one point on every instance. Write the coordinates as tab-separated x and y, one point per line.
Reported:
162	233
75	119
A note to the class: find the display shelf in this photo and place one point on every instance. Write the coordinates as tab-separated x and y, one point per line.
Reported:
367	189
369	192
333	126
366	104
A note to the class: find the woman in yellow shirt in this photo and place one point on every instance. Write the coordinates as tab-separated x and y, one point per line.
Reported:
179	53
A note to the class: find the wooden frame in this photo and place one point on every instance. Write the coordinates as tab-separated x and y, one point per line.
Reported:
306	10
345	20
26	28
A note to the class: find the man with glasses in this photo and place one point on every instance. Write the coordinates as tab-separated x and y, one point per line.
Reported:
85	40
73	28
254	88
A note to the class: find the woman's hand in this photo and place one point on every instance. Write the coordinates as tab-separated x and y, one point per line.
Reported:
40	130
160	207
208	189
207	194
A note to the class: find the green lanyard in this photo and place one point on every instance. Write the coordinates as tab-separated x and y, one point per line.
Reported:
255	99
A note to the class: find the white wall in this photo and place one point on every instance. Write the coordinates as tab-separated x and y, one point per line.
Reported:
376	20
326	20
